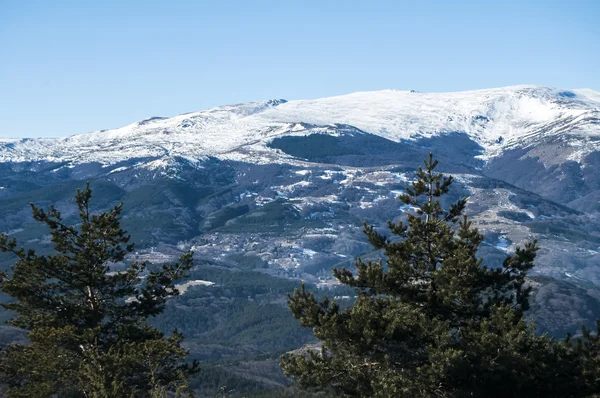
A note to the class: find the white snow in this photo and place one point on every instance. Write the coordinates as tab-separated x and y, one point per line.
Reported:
503	243
569	275
183	287
292	187
309	252
495	118
588	94
365	205
118	169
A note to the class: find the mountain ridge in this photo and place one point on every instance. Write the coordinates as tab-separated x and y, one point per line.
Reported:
496	119
282	187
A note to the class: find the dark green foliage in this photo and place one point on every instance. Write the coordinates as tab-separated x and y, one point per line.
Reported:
586	354
354	147
220	217
563	303
430	319
247	261
318	146
244	314
87	325
162	209
245	379
515	216
279	217
564	231
216	381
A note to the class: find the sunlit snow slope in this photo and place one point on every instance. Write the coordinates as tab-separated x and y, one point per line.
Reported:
496	119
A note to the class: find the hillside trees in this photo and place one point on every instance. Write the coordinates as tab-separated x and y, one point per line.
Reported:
431	320
87	319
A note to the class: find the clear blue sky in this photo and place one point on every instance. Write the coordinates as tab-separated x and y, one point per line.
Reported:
74	66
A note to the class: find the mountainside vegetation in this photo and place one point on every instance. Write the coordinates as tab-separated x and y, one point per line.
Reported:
87	321
418	314
431	320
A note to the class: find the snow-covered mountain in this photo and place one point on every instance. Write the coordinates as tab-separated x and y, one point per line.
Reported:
495	119
285	185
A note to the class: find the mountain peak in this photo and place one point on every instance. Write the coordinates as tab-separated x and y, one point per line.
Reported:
493	118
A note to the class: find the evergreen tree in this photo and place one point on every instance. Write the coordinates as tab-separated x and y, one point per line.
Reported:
87	322
430	319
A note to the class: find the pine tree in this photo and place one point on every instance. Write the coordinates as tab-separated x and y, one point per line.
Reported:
429	318
87	322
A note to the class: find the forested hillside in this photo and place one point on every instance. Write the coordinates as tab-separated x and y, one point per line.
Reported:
269	194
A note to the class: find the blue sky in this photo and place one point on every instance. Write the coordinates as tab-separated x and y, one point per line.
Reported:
74	66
